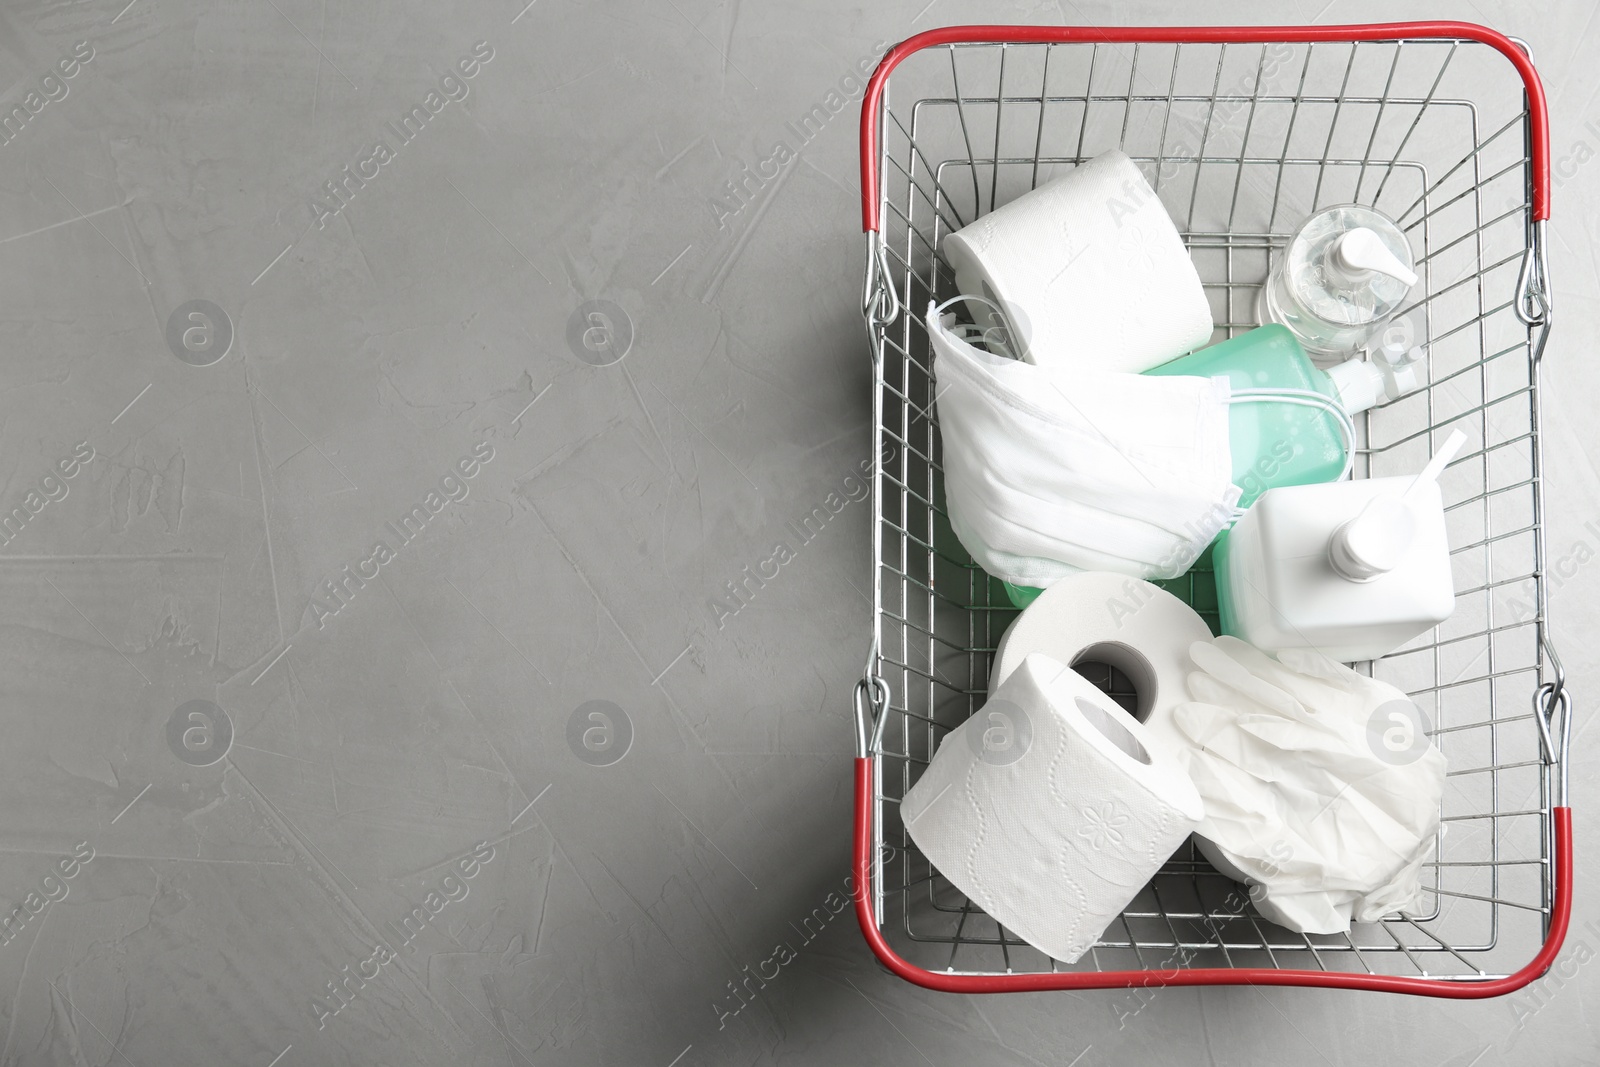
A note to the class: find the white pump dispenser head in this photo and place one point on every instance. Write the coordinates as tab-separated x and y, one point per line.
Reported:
1360	253
1376	540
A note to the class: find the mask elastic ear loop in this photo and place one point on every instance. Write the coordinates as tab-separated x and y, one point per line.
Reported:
1309	399
1004	345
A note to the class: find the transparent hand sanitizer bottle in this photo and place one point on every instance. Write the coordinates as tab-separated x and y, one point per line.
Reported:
1341	277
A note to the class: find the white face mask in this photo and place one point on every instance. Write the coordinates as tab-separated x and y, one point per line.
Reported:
1052	470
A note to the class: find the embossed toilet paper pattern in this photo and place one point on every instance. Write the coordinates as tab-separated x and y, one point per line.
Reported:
1055	843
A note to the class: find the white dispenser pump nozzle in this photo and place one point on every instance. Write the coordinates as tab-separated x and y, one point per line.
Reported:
1375	541
1430	473
1360	253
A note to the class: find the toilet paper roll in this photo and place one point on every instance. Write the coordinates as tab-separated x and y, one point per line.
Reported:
1049	809
1088	269
1098	617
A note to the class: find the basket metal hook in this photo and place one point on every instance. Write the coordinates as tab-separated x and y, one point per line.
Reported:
1549	700
880	303
872	698
1533	304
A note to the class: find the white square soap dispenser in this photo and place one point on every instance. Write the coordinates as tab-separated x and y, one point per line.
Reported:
1352	569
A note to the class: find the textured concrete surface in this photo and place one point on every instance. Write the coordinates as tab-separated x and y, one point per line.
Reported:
367	571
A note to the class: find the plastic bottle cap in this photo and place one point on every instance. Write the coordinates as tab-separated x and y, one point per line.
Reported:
1375	541
1402	379
1357	383
1361	384
1359	253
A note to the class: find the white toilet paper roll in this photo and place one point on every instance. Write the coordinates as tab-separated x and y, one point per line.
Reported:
1088	269
1049	809
1098	617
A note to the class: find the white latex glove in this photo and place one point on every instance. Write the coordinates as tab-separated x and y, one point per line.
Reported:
1299	798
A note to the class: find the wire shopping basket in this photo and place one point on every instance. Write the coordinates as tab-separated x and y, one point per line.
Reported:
1243	132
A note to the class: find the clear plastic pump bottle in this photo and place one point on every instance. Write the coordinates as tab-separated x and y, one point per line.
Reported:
1341	277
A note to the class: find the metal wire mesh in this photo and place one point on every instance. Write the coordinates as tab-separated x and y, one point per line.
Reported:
1241	142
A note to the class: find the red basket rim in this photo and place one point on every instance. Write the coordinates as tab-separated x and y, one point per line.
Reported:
1456	989
1538	120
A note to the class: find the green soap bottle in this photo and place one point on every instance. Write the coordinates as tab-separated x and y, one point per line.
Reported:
1273	442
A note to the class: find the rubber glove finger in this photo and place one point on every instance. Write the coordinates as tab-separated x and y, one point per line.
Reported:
1331	696
1204	687
1301	699
1220	660
1328	685
1369	692
1200	721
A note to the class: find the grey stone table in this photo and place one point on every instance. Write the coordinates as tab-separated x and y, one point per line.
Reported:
399	399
